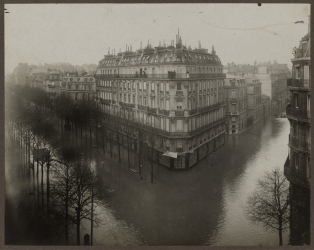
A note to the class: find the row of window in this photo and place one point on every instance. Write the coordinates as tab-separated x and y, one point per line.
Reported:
78	79
160	70
296	101
164	122
206	85
300	164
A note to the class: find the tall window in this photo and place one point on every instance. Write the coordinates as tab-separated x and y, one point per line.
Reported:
167	86
178	86
179	126
296	161
179	105
297	72
296	101
308	168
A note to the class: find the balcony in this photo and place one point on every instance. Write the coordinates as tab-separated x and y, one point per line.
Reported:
298	114
164	76
302	145
301	83
207	126
127	105
179	113
295	177
141	107
217	75
164	112
192	111
151	110
210	107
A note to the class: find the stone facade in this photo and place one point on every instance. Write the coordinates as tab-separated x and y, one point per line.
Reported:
236	105
172	92
254	100
79	87
297	168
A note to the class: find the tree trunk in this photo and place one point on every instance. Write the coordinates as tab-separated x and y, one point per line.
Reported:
119	146
129	152
280	231
152	168
75	129
37	184
92	220
67	208
103	144
78	222
110	144
48	189
81	135
90	136
42	185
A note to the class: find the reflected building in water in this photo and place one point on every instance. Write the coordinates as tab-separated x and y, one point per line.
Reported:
297	168
171	91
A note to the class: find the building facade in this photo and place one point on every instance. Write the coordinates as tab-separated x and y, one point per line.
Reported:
297	168
266	104
254	100
236	105
172	92
79	87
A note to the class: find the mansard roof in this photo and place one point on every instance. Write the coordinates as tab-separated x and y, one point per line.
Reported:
160	55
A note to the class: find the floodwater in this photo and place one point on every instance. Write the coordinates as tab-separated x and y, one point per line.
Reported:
203	206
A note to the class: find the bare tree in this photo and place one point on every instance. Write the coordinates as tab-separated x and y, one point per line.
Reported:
63	186
269	203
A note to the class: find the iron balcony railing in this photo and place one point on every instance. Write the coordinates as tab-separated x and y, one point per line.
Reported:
293	176
298	113
210	107
301	83
207	126
149	128
164	112
164	76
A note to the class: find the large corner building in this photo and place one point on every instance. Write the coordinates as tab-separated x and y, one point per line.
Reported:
174	93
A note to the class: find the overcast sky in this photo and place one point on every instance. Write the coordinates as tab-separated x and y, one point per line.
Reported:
82	33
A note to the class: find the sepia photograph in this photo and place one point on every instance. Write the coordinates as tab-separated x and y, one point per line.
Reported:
157	124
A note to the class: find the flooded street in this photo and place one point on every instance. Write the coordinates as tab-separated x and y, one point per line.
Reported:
204	206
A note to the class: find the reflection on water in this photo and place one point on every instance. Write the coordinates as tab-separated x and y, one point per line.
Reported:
203	206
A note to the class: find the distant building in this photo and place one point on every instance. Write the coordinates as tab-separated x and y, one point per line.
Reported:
174	92
297	167
21	74
236	105
266	104
273	77
254	100
79	87
53	82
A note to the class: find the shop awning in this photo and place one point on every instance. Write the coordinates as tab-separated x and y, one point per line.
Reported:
171	154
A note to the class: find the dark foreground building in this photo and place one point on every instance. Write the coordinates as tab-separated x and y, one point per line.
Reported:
298	165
